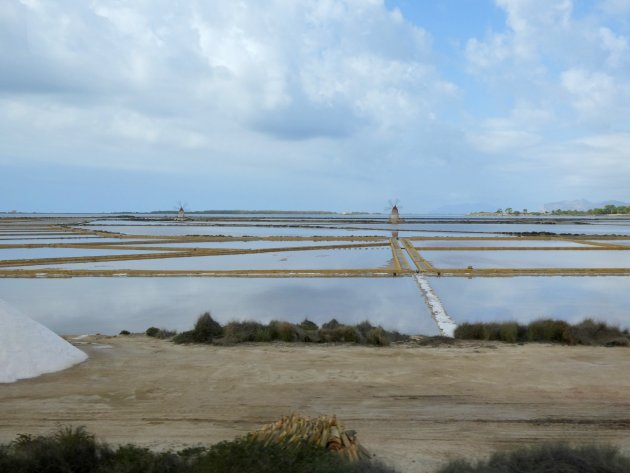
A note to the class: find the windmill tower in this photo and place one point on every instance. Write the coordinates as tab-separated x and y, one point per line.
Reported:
181	214
394	215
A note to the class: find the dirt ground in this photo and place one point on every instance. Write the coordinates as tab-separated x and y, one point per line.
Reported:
414	407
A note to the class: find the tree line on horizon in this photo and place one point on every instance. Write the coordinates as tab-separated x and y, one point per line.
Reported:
606	210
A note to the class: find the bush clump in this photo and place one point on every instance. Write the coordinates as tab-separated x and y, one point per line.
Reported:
549	458
207	330
73	450
160	333
587	332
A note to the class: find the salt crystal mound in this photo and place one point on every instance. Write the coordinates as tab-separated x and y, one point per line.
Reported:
28	349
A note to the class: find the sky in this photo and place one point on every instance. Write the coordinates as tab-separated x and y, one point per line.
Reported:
341	105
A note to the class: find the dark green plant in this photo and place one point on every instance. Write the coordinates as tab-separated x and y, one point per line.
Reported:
587	332
378	336
247	331
308	325
73	450
206	329
549	458
283	331
160	333
332	324
548	330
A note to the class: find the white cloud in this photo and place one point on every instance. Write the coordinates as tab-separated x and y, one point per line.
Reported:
596	96
616	46
266	65
500	137
616	7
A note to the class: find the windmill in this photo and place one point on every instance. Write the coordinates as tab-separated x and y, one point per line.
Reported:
182	207
394	207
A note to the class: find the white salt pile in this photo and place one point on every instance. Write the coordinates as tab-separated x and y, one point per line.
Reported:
28	349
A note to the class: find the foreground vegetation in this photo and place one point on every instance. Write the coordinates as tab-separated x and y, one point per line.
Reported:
207	330
550	458
587	332
73	450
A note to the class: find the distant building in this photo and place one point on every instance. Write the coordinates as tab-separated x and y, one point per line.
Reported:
394	217
180	214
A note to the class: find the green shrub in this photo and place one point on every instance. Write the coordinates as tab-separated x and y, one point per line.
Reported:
341	333
284	331
550	458
547	330
509	332
206	329
247	331
470	331
72	450
378	336
69	449
331	325
590	332
160	333
364	328
308	325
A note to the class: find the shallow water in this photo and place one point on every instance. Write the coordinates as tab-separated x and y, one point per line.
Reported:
28	253
529	259
373	257
181	230
507	243
109	305
258	244
524	299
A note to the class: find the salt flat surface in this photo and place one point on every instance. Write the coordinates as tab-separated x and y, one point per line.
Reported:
28	349
446	325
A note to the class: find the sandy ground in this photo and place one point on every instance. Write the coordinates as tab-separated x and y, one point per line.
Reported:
414	407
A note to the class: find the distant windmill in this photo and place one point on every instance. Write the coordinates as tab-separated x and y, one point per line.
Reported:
394	207
181	211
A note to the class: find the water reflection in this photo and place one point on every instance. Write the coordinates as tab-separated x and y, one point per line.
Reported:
528	298
108	305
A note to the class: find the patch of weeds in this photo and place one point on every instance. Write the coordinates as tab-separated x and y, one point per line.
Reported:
548	330
206	329
160	333
550	458
308	325
587	332
283	331
73	450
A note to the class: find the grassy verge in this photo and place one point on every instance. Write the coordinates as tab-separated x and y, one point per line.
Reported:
588	332
73	450
207	330
549	458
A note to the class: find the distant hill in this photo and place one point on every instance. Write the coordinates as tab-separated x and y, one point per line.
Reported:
580	205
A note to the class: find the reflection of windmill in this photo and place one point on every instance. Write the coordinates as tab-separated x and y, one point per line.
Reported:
181	212
394	216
